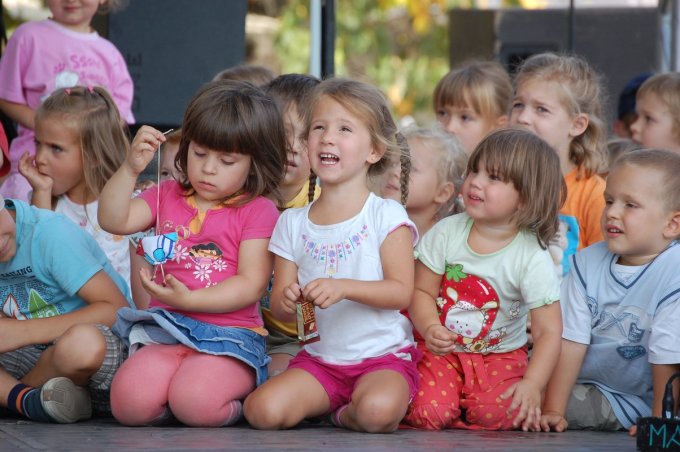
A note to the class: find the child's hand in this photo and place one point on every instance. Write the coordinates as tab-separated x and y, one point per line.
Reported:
28	169
439	339
290	298
143	147
553	421
324	292
527	397
173	292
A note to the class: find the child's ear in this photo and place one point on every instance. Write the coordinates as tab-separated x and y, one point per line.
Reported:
446	191
579	124
376	154
672	229
502	121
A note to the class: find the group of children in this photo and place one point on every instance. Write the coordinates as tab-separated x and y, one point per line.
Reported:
301	191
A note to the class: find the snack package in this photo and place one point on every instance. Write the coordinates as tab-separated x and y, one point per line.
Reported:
306	322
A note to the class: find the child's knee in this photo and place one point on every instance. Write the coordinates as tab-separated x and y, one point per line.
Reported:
263	414
376	413
432	416
82	348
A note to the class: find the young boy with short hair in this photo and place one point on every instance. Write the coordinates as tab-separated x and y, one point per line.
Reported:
621	303
59	295
658	109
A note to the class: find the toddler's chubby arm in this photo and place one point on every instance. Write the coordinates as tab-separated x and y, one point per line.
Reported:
234	293
21	113
394	291
546	324
118	213
285	290
561	382
103	299
423	312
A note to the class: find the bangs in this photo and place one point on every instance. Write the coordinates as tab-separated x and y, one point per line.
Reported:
496	160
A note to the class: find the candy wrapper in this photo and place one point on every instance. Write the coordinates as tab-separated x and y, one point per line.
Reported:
306	322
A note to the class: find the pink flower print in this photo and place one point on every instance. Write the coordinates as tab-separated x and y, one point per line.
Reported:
219	265
181	253
202	273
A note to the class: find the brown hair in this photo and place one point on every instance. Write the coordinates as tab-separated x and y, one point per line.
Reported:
368	103
484	86
101	131
666	87
252	73
666	162
237	117
581	93
533	167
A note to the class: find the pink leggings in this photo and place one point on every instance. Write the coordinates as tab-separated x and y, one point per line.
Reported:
461	390
196	387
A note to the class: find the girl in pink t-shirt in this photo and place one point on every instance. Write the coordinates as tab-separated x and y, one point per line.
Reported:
202	336
60	52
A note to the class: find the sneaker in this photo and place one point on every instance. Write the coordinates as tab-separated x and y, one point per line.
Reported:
65	402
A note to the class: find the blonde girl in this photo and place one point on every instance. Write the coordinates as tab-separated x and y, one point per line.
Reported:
437	165
350	254
558	97
203	343
80	141
478	275
473	100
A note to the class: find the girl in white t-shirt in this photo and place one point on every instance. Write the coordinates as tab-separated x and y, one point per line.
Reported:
80	142
478	275
350	254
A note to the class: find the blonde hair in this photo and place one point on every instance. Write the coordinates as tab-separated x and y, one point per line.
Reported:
533	167
101	131
666	162
581	93
450	161
666	87
484	86
370	105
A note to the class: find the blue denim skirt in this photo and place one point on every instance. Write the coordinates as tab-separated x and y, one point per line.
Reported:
157	325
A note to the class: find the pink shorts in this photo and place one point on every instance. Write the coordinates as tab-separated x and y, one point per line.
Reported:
339	381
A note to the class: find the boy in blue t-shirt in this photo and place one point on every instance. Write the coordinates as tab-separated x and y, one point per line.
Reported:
58	297
621	304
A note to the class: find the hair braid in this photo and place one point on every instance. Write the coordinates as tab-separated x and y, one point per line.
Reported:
312	187
405	162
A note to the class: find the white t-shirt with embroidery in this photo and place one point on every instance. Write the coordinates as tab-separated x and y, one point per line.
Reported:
350	332
116	247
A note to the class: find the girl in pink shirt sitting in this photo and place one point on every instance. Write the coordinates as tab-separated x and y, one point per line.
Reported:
203	343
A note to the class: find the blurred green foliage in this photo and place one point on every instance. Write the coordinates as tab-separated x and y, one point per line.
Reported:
399	45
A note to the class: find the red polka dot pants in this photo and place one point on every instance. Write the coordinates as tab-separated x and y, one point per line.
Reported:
462	390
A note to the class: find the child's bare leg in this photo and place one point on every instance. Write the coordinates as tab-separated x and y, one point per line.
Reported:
278	364
285	401
379	403
78	354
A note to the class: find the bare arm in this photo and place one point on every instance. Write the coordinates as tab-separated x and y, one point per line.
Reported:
285	290
560	384
241	290
394	291
546	328
103	299
21	113
118	213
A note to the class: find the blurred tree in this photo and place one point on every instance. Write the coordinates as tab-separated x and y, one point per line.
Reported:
400	45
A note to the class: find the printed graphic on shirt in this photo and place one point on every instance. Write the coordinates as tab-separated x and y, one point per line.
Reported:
29	300
623	327
468	306
205	258
332	255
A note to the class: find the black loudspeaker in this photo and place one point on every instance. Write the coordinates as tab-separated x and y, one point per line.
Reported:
619	43
172	47
661	433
